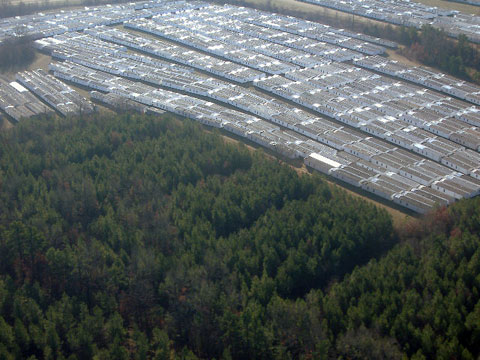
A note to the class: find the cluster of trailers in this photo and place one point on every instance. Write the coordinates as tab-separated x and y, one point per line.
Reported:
410	13
301	89
17	102
52	23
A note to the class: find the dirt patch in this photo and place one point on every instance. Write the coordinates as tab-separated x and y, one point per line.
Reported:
41	62
5	124
395	55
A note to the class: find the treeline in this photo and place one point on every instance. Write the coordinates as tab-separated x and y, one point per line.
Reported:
16	52
135	237
425	294
434	48
8	9
428	45
138	237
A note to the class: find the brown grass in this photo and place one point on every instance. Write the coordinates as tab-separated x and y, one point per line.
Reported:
41	62
5	124
395	55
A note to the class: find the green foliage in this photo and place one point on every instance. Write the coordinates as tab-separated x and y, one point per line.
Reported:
424	293
138	235
365	344
434	48
148	238
17	52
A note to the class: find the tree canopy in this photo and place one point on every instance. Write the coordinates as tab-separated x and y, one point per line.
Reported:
138	237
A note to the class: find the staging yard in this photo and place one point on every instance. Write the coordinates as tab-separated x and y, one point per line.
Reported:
410	13
302	89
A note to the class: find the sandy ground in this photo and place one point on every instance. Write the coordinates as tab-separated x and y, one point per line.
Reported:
41	62
5	124
394	55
